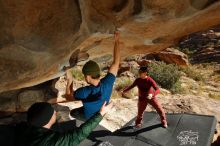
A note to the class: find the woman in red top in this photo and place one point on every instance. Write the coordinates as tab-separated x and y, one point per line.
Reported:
146	95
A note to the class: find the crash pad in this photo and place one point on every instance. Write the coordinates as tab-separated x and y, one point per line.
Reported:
183	129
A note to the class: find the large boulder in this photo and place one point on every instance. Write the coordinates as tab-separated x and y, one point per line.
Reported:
37	38
171	56
128	66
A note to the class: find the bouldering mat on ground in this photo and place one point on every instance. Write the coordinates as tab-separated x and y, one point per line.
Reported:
183	129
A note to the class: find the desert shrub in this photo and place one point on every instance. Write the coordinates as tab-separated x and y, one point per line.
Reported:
176	88
187	51
130	58
77	74
192	73
166	75
214	95
122	82
115	94
135	72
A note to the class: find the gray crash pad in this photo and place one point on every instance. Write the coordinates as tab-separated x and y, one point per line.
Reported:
183	129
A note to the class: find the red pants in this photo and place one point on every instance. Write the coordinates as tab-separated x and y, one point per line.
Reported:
142	104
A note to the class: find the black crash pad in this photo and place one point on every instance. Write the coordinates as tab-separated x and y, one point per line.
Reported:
183	129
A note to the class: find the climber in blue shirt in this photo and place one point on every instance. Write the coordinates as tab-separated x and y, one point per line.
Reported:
99	90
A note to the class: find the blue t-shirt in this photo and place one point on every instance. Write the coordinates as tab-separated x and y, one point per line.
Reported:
93	97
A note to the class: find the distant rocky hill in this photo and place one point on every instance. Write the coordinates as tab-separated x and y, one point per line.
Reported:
204	47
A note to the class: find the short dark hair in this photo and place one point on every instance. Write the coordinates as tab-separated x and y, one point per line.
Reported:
40	113
95	76
143	69
91	68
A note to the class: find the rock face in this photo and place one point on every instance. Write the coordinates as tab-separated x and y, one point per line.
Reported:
20	100
170	55
27	98
207	55
37	38
204	45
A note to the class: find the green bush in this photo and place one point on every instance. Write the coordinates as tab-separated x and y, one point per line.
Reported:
135	72
166	75
176	88
77	74
192	73
122	82
187	51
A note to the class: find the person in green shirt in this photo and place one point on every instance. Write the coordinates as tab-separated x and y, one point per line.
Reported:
40	118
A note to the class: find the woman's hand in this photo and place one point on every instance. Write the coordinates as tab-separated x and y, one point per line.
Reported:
150	96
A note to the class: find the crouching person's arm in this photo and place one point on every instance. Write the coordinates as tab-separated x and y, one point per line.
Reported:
73	138
69	93
69	87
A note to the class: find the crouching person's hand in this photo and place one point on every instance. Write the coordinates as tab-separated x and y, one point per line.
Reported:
106	108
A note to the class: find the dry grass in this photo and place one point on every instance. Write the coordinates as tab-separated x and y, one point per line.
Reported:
216	78
122	82
193	72
77	74
214	95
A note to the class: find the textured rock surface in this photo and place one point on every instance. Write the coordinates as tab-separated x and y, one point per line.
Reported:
204	46
29	97
170	55
20	100
38	37
9	101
